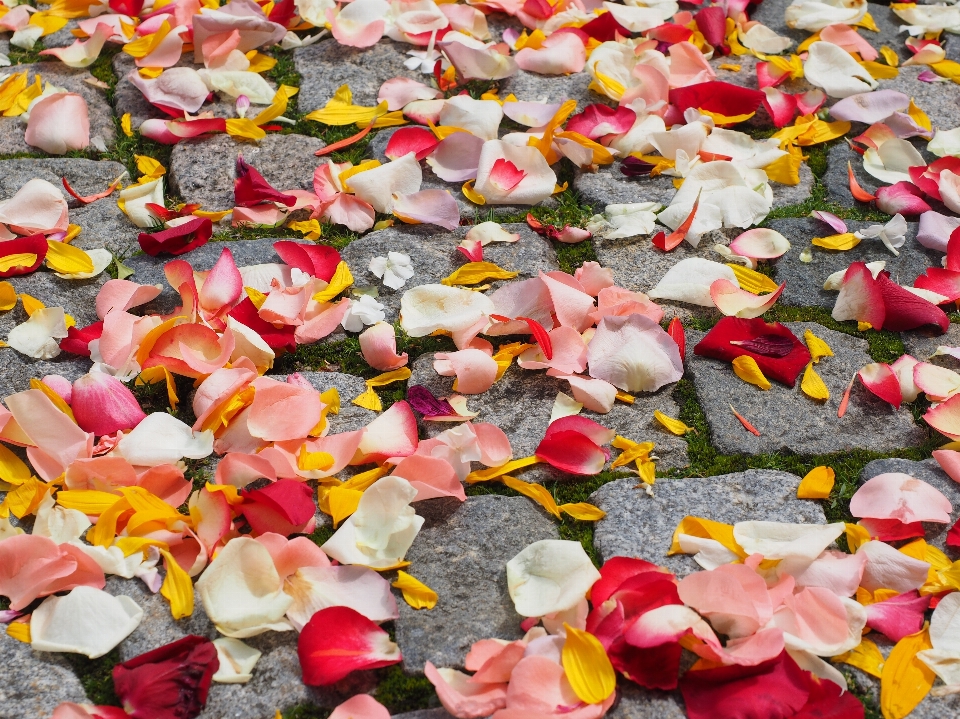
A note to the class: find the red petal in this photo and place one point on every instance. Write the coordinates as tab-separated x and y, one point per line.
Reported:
882	381
281	338
906	311
595	432
411	139
615	571
179	239
251	189
30	245
340	640
315	260
953	536
720	97
953	251
784	369
540	335
571	452
597	121
604	28
675	330
943	282
505	175
78	339
712	24
284	507
170	682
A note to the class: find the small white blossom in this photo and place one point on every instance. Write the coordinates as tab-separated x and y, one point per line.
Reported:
893	234
363	310
394	269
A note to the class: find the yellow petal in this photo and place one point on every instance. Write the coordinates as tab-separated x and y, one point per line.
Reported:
125	125
536	492
485	475
890	56
256	296
397	375
31	304
67	259
587	666
260	62
786	168
340	281
845	241
177	588
705	529
310	461
865	656
647	472
905	680
8	295
245	129
674	426
12	468
471	194
747	369
474	273
19	631
856	535
585	512
813	386
919	116
868	22
151	375
149	167
19	259
818	348
753	281
817	484
415	593
368	399
625	398
25	499
726	119
278	106
343	502
879	71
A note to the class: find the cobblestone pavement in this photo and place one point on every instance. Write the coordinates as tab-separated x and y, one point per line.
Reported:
719	471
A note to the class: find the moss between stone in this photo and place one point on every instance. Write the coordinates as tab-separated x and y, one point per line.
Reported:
96	676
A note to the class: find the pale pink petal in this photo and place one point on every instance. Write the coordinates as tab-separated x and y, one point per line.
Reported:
498	667
850	40
593	278
476	371
431	477
282	411
59	123
285	305
222	286
899	496
359	24
839	572
526	298
378	344
815	616
266	215
882	381
56	440
167	53
476	61
392	434
399	92
463	698
735	302
122	295
38	206
180	88
634	354
289	555
494	444
435	207
457	157
215	517
82	53
538	684
349	211
949	461
831	219
688	66
888	568
594	394
569	353
560	54
571	304
761	244
361	706
531	114
937	382
618	302
320	320
241	469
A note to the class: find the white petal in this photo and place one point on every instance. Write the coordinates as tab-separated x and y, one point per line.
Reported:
429	308
689	281
548	576
361	589
135	199
633	353
58	523
86	621
37	337
237	661
163	439
780	540
834	69
377	186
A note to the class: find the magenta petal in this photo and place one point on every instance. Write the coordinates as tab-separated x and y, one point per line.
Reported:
903	198
907	311
898	616
102	404
831	219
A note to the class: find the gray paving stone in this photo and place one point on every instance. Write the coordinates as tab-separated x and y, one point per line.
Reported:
641	526
351	417
928	471
940	101
37	681
922	344
520	404
805	279
434	255
457	556
204	170
327	65
127	98
56	73
788	420
609	186
531	87
103	223
635	702
62	37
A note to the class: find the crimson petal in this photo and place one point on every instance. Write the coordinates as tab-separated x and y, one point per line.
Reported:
411	139
30	245
571	452
284	507
251	189
784	369
339	640
282	338
78	339
906	311
319	261
719	97
178	239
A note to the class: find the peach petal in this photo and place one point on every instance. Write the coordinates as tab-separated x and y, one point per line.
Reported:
569	353
167	482
57	441
59	123
282	411
222	286
570	303
239	469
895	495
38	206
476	371
431	476
593	278
378	344
122	295
106	474
560	54
733	597
218	388
361	706
392	434
321	319
463	698
494	444
289	555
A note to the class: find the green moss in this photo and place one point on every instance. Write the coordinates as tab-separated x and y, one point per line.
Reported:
21	56
400	692
306	711
96	676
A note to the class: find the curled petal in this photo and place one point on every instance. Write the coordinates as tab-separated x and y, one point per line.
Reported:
735	302
882	381
899	496
59	123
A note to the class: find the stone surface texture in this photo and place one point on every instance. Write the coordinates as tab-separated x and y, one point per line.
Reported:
461	553
787	419
641	526
36	682
204	171
520	404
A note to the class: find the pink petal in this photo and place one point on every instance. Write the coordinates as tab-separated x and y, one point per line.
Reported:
392	434
424	111
761	244
222	287
936	382
688	66
596	121
882	381
349	211
56	440
949	461
457	156
285	305
569	353
167	482
106	474
378	344
906	311
831	219
594	394
191	350
216	389
571	304
499	667
417	140
362	706
495	449
595	432
560	54
899	496
945	417
38	207
593	278
851	41
735	302
342	447
836	571
618	302
781	106
431	477
860	297
811	101
898	616
435	207
102	404
215	517
935	230
179	88
240	469
399	92
61	385
539	685
167	53
476	371
463	698
59	123
359	26
814	615
903	198
282	411
32	566
634	354
733	597
478	63
122	295
320	320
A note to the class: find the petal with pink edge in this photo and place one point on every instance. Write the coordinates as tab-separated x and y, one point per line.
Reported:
735	302
398	92
571	452
882	381
860	297
378	345
58	124
761	244
938	383
895	495
359	24
392	434
634	354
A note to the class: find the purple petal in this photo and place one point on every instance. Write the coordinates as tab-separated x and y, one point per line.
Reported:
870	107
423	402
767	345
831	219
930	76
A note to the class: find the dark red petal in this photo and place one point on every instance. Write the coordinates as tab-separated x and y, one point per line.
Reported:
179	239
767	345
906	311
251	189
712	24
170	682
784	369
283	12
605	28
720	97
316	260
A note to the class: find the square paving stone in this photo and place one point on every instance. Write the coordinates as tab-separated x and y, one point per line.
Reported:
36	681
56	73
638	525
103	223
520	404
929	471
434	256
461	553
805	279
326	65
204	171
787	419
